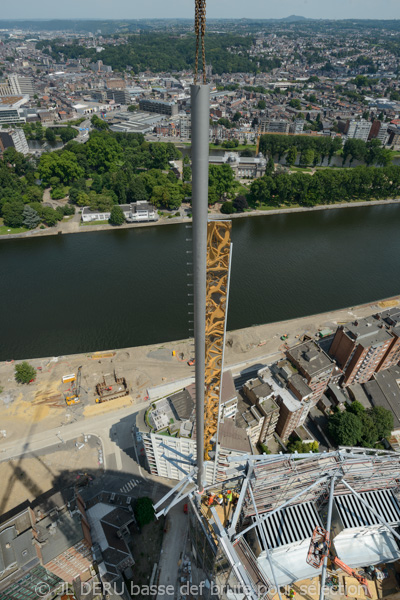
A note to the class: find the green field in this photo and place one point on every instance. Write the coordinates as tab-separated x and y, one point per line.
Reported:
5	230
238	148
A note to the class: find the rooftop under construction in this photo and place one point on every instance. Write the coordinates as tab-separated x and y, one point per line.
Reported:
291	518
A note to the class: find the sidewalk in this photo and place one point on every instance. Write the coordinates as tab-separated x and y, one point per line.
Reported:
172	551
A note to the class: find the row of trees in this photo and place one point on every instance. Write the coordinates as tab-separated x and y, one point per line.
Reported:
278	145
357	426
326	186
314	150
372	152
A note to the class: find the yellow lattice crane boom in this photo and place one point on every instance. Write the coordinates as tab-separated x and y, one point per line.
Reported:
218	264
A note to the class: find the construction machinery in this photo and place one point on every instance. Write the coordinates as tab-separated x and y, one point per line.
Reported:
320	549
111	387
75	390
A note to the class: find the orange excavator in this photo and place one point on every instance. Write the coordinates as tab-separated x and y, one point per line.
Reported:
319	549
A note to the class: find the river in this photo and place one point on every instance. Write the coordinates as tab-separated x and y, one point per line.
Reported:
112	289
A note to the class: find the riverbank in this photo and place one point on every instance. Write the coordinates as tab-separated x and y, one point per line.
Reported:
152	371
74	225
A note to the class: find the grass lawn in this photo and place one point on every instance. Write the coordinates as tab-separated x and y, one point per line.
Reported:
93	223
279	207
301	169
241	189
5	230
319	167
240	147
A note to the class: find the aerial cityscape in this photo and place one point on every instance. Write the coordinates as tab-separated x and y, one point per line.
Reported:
200	302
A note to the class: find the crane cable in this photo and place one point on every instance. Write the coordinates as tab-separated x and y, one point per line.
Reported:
200	30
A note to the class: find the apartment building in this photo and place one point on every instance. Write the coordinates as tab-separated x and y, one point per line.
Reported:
391	318
270	126
161	107
168	431
358	130
185	126
14	138
363	348
17	86
232	441
379	131
119	96
292	395
264	413
297	127
314	365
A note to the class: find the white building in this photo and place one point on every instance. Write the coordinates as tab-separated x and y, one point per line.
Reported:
169	434
140	211
10	110
242	166
185	126
359	130
14	138
17	86
136	212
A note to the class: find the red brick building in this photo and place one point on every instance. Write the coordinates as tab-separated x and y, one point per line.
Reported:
363	349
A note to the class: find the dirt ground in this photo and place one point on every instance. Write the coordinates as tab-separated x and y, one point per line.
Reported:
30	476
27	409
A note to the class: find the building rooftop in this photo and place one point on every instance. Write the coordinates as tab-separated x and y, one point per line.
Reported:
300	384
182	404
228	391
384	391
260	388
156	101
58	534
310	357
367	332
234	438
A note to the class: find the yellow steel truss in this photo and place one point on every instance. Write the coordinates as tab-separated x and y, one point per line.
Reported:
218	260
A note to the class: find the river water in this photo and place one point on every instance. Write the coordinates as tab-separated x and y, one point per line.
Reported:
113	289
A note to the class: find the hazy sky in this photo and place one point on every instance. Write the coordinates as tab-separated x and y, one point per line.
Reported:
135	9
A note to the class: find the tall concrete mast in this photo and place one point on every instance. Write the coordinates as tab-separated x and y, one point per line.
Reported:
200	116
200	99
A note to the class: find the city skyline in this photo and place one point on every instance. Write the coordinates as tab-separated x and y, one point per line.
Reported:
255	9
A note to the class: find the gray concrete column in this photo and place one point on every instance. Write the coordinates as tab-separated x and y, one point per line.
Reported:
200	114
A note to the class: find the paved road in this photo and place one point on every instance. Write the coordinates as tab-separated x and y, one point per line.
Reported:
99	425
83	136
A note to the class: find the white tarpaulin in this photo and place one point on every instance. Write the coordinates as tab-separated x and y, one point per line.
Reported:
366	548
